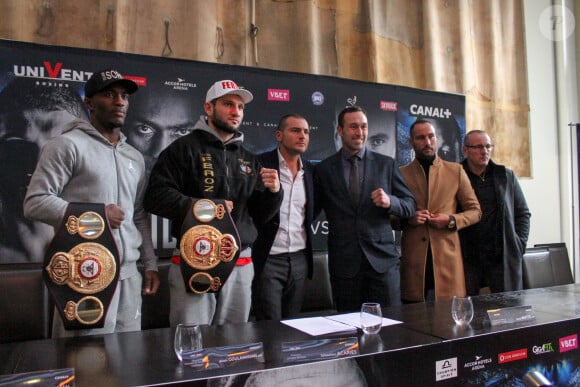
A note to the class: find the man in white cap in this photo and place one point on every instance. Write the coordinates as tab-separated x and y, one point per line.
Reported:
211	163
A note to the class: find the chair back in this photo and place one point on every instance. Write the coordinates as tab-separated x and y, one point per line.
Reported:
25	307
318	292
547	265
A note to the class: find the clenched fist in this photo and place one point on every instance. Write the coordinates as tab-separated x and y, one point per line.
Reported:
270	179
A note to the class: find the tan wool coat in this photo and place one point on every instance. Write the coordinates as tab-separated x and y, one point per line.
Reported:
449	191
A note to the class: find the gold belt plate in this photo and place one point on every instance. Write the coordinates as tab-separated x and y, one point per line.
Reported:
87	268
204	247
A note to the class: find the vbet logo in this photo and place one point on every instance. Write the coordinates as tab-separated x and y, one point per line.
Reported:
568	343
282	95
445	369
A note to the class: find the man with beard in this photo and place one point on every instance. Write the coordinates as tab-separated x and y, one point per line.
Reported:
211	163
432	264
91	162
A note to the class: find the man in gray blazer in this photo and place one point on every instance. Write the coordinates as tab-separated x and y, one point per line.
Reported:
359	191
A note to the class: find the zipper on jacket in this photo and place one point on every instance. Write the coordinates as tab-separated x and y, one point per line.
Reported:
227	167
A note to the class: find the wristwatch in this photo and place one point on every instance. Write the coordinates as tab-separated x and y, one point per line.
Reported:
452	224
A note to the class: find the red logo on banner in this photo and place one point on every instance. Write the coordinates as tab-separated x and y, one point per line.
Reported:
568	343
389	106
52	72
278	95
140	81
518	354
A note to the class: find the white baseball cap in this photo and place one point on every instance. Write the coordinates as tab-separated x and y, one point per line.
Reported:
225	87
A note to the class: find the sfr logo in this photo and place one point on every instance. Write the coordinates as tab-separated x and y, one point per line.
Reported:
568	343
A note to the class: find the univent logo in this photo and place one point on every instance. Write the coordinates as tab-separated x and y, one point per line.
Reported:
51	71
56	71
280	95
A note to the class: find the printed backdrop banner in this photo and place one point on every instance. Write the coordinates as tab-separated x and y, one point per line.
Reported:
41	88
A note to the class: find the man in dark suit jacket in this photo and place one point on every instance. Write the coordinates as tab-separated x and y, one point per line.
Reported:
363	260
282	253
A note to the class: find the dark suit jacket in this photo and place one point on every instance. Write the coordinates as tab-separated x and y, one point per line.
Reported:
267	232
364	230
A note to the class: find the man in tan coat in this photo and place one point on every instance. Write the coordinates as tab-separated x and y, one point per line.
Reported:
432	263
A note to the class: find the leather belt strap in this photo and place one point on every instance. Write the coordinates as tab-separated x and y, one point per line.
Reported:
81	266
209	247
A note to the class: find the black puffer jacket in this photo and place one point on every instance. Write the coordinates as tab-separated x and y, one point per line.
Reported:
200	165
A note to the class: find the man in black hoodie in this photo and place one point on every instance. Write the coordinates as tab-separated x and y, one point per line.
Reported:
211	163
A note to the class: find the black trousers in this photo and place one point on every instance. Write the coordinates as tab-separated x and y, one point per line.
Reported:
367	286
479	275
279	289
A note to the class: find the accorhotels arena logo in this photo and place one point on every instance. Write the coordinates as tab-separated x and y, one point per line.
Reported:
478	364
542	349
180	84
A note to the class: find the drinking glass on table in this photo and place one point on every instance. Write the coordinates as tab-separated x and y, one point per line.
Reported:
371	317
187	339
462	310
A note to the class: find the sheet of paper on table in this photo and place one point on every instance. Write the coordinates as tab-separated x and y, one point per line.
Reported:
341	323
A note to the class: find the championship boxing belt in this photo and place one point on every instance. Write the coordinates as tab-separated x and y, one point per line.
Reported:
81	266
209	246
